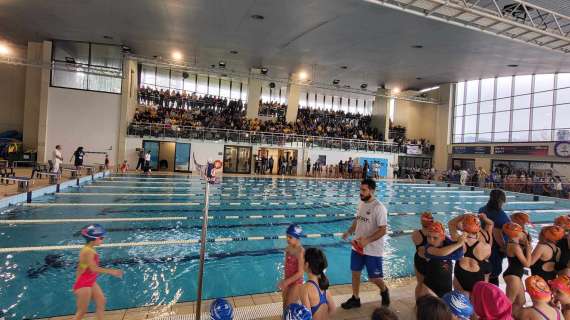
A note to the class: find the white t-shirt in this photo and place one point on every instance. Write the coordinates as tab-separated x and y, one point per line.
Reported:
370	216
463	174
147	157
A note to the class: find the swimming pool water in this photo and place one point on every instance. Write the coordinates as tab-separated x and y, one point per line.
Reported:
38	284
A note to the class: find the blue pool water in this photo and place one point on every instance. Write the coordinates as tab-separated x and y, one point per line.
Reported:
38	283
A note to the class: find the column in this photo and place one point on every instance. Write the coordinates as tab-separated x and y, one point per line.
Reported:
253	97
129	101
443	127
381	112
293	94
36	98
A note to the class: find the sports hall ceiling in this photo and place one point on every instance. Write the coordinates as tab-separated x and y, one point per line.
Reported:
318	36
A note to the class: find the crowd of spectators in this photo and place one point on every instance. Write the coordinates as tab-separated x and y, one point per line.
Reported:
172	108
543	183
273	110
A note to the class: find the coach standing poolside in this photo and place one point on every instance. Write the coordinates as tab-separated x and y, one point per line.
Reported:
369	228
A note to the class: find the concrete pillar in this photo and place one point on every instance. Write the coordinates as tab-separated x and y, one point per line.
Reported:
129	102
381	112
36	99
293	94
443	127
253	97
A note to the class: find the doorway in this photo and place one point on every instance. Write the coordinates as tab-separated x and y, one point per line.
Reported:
153	147
182	157
237	159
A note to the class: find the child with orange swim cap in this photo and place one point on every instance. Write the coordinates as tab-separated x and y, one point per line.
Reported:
469	269
563	264
518	257
540	294
546	253
561	294
419	238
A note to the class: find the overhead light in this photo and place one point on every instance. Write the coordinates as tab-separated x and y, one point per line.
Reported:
344	67
417	46
222	64
419	78
108	37
234	52
177	55
346	86
395	90
70	60
303	75
257	17
336	82
363	86
4	50
264	70
429	89
512	65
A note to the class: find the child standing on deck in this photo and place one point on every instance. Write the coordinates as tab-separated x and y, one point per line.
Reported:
290	286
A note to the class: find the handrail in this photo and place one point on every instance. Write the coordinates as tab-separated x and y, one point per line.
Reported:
272	138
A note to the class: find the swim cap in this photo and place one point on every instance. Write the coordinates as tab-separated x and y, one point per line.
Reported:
93	232
471	223
295	231
459	304
297	311
221	310
426	219
437	227
512	229
553	233
521	218
563	221
537	288
490	302
562	283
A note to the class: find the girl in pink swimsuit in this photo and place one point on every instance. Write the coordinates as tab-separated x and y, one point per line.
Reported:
294	266
86	287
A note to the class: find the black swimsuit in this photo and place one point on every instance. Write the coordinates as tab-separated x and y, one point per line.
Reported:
467	279
419	262
486	265
564	254
538	270
515	266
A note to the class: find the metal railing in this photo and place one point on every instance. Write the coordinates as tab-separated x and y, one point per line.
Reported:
158	130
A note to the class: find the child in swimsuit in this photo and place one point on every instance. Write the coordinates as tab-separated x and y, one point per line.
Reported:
540	294
518	256
290	286
419	237
124	167
546	253
561	294
563	265
86	287
314	294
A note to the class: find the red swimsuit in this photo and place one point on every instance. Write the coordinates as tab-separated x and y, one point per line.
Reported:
87	278
292	267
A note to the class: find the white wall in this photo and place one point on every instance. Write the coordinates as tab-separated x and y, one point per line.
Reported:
12	91
83	118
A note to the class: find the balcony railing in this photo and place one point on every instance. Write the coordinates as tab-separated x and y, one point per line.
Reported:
254	137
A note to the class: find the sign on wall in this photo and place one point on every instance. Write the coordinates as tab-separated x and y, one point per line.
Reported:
413	149
471	150
522	150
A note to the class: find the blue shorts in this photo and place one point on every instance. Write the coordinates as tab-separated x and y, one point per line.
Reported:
373	264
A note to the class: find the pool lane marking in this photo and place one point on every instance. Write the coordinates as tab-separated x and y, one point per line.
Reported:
48	221
171	204
181	242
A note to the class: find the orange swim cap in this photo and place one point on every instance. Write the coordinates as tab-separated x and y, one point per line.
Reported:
512	229
426	219
553	233
471	223
561	283
437	227
521	218
537	288
563	222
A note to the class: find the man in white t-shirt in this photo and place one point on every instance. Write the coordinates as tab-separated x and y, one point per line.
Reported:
369	228
57	159
463	176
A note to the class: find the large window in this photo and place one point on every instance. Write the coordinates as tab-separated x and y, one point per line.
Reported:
87	66
170	79
512	109
358	104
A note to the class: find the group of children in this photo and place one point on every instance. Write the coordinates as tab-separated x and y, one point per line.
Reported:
472	242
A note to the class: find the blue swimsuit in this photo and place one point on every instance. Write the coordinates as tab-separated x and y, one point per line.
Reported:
322	297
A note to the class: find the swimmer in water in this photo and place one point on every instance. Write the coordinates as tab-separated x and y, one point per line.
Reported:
86	287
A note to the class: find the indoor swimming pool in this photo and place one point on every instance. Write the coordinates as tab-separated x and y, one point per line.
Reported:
154	224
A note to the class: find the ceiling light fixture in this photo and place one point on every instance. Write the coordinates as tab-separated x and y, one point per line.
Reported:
363	86
344	67
4	50
234	52
417	46
222	64
257	17
395	90
264	70
336	82
108	37
177	55
512	65
419	78
429	89
303	75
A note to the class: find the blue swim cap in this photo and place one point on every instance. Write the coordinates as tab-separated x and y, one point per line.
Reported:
221	309
459	304
93	231
295	231
297	311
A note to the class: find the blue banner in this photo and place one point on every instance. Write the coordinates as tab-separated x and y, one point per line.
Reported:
471	150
